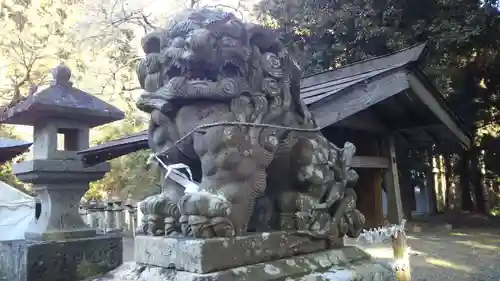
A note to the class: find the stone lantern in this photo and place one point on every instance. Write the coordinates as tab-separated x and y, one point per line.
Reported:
61	114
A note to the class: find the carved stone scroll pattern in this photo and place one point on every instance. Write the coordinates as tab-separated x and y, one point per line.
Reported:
206	67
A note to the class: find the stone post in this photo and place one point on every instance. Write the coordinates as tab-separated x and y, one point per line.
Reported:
119	215
92	218
101	214
139	217
130	215
110	217
83	211
62	117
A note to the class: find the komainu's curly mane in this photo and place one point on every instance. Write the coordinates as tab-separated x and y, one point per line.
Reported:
206	54
225	95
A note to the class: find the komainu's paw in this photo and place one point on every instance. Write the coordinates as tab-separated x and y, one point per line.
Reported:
204	215
347	219
172	227
160	214
355	221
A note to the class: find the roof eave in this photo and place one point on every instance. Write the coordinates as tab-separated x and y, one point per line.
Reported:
418	72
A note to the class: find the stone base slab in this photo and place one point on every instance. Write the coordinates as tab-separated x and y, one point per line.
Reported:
209	255
70	260
346	264
59	235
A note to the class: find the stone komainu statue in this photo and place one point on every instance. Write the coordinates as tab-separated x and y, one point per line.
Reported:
225	95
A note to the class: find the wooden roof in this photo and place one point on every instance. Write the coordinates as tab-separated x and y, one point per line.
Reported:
10	148
393	91
390	94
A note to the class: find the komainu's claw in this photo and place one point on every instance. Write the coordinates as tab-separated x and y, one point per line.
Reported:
171	227
356	223
196	226
223	227
205	215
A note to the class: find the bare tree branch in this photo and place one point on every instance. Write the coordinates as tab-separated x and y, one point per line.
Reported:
131	89
146	20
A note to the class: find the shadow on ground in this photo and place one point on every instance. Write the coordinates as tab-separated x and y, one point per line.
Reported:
461	255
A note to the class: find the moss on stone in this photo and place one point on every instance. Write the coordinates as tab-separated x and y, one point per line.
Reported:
87	269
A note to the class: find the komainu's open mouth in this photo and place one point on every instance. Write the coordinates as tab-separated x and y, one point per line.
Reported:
230	70
203	72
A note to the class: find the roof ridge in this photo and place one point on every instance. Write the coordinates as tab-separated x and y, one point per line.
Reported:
416	53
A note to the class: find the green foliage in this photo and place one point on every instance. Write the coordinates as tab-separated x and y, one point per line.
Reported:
7	177
129	174
34	37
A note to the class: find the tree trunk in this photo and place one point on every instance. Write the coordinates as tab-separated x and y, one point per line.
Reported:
464	172
431	185
477	182
450	187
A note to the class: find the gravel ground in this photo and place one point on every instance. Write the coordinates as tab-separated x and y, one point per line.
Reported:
458	255
461	255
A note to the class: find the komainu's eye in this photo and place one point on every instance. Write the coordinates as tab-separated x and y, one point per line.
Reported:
152	45
179	42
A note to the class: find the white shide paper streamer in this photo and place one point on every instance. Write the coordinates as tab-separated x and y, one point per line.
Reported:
172	171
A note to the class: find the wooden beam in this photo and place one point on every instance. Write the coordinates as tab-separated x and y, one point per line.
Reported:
432	136
370	162
357	98
427	131
425	137
404	140
391	182
363	121
428	99
422	127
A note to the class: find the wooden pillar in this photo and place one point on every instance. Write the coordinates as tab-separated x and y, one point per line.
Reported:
392	187
369	186
369	190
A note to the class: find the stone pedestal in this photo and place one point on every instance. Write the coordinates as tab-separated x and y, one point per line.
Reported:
259	257
69	260
203	255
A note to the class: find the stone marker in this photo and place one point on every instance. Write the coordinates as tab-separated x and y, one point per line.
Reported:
268	197
59	245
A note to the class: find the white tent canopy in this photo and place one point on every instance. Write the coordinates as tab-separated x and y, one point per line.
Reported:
17	209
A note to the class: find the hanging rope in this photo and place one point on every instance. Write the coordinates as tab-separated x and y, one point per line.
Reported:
248	124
